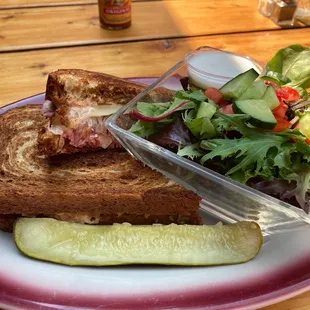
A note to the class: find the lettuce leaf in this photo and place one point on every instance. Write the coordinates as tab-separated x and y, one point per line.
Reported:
191	151
196	96
290	66
292	62
250	151
145	129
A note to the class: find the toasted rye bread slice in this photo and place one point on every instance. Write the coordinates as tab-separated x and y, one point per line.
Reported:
71	93
105	184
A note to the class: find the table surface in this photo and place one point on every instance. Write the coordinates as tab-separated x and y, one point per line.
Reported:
39	36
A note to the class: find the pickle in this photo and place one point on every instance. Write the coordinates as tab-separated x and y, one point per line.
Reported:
119	244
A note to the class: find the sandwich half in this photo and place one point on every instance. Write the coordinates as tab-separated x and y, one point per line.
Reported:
102	187
77	104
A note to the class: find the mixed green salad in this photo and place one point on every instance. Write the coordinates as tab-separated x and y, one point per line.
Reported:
255	129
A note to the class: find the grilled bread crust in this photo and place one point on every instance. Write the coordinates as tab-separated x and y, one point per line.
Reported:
107	185
67	88
79	87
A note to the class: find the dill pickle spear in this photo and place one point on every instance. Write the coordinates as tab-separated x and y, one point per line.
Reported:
119	244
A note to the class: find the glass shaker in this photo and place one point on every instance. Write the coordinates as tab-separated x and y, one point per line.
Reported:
265	7
280	12
283	12
302	14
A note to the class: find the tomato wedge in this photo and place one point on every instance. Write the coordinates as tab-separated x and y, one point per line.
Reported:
294	140
284	93
216	96
227	109
280	110
281	94
282	124
293	94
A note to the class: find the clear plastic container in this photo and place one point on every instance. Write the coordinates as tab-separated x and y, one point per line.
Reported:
222	197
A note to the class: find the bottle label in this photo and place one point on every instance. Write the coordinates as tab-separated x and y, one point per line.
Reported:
116	12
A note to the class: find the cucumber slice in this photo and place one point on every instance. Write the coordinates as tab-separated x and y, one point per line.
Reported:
270	98
94	245
255	91
238	85
261	115
304	125
206	109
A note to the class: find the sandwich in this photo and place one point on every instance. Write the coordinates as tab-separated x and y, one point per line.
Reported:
43	173
77	104
62	173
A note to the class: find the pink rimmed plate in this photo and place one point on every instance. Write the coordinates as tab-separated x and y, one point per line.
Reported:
280	271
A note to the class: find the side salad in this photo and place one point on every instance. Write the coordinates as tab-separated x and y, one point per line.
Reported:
255	129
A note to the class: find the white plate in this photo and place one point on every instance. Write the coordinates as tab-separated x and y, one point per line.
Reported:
280	271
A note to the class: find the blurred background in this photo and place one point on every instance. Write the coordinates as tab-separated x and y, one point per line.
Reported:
39	36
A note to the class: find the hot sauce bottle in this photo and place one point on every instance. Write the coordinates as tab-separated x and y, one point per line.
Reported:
115	14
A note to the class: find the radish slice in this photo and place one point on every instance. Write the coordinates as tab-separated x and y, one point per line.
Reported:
145	118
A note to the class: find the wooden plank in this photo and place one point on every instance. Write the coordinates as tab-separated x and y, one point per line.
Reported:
15	4
24	29
300	302
23	74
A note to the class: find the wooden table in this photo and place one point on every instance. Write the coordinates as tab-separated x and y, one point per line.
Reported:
39	36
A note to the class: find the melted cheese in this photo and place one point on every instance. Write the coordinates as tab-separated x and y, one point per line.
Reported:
93	111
